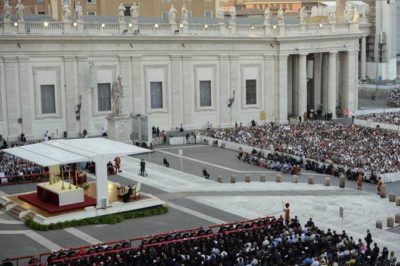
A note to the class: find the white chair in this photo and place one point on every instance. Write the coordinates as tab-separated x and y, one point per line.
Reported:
136	192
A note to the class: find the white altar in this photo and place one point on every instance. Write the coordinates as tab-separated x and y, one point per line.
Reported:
55	193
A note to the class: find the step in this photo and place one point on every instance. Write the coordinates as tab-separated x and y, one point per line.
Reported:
15	211
28	216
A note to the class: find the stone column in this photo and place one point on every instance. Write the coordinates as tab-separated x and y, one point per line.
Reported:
282	89
71	95
224	91
350	82
13	99
176	91
363	57
325	82
332	83
27	109
138	93
269	86
317	80
83	89
340	6
302	92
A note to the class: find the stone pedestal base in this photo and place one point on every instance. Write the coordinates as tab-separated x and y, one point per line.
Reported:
119	128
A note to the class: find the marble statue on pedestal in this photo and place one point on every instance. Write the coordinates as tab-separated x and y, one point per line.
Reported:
281	16
172	15
20	11
364	14
135	12
348	13
7	11
332	15
314	11
121	13
267	16
67	11
78	12
356	15
303	15
117	93
232	12
185	15
221	16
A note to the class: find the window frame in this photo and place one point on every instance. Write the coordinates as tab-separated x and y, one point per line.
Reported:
164	78
98	99
247	93
259	85
210	94
214	87
151	95
41	87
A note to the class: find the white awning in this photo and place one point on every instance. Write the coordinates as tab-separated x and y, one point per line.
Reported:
65	151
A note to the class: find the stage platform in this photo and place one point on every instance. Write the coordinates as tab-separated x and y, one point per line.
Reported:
32	198
44	214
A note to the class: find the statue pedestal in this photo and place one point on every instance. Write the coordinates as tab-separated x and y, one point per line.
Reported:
119	128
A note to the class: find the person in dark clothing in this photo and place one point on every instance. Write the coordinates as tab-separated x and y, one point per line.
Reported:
127	195
368	239
142	168
165	162
206	174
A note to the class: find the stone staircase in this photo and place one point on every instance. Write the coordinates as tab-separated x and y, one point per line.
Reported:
18	212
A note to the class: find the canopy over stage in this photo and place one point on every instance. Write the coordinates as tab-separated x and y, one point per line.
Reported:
66	151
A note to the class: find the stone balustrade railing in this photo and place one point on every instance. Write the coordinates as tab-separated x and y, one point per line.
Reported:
107	29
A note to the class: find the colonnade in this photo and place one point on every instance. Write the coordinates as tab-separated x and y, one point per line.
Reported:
331	83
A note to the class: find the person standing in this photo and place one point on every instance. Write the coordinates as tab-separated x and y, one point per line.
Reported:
142	167
359	181
379	185
286	213
117	161
368	239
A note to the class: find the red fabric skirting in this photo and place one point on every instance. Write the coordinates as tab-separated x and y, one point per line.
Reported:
33	199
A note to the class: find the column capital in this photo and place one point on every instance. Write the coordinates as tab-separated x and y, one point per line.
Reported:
136	57
283	56
186	57
10	59
23	58
234	56
124	57
176	56
333	52
69	58
223	56
82	58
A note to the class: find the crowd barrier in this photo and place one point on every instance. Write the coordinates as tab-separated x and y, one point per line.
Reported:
22	179
370	124
387	178
375	111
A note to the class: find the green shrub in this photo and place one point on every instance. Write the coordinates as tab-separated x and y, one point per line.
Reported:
106	219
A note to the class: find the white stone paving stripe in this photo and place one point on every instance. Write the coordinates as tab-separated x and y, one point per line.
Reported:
196	213
41	240
81	235
4	221
2	193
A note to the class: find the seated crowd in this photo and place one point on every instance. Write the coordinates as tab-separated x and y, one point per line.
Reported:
394	98
372	151
13	169
386	118
264	241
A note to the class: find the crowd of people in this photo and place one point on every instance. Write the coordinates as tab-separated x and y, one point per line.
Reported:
394	98
263	241
13	169
372	151
386	118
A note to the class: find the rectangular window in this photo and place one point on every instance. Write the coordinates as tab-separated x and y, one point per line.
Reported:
104	97
251	91
127	11
208	13
205	93
156	95
91	1
48	99
91	13
165	16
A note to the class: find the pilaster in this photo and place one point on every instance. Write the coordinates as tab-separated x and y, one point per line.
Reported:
84	91
363	58
12	95
125	70
71	95
188	91
27	110
235	86
317	80
269	87
176	109
225	91
138	97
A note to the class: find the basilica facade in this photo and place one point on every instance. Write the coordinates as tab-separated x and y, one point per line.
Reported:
58	77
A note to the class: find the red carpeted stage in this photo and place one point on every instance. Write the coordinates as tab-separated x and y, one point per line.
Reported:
33	199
